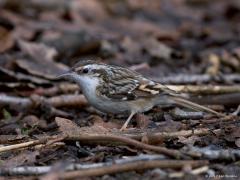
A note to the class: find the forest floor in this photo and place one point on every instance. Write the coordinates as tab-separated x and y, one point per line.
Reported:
49	131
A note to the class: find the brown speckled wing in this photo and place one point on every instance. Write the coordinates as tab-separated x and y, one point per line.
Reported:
125	84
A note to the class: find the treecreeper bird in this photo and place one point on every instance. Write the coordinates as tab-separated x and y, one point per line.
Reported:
117	90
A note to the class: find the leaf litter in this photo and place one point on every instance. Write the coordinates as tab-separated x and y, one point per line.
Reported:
47	125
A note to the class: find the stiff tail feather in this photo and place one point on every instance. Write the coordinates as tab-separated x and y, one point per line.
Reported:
194	106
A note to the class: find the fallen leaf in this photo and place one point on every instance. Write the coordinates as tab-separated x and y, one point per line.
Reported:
214	66
157	49
38	51
188	140
98	121
30	121
24	158
142	121
41	57
21	32
6	40
68	127
7	75
231	133
90	10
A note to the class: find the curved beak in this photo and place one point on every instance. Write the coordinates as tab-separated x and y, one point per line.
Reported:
65	74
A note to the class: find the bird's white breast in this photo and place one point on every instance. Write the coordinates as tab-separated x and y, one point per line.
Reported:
89	85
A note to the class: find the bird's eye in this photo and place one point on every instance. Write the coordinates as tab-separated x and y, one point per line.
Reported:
85	70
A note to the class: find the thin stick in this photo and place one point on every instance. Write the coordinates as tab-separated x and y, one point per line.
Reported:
196	78
48	140
220	155
195	172
110	138
206	89
56	101
154	136
21	145
140	165
38	170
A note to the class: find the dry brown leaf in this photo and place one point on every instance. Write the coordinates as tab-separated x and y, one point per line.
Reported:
232	133
214	67
188	140
31	121
11	76
157	49
67	127
24	158
98	121
42	62
38	51
142	121
6	40
90	10
21	32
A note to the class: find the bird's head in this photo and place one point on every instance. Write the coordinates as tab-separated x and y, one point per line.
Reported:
86	72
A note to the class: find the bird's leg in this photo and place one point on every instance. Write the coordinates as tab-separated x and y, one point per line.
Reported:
124	127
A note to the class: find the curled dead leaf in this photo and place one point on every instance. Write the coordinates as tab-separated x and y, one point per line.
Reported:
42	60
11	76
24	158
98	121
68	127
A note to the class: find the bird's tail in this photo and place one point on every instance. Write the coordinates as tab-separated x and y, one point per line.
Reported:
188	104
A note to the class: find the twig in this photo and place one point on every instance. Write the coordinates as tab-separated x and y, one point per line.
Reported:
223	99
40	6
100	134
153	136
58	89
57	101
194	89
180	114
227	119
44	140
140	165
196	79
12	139
21	145
37	170
111	138
195	172
67	100
200	170
205	89
14	101
224	154
23	77
79	100
145	161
